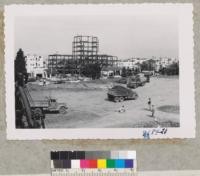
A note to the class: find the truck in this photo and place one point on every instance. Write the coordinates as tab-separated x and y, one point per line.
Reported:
49	104
148	74
136	81
120	93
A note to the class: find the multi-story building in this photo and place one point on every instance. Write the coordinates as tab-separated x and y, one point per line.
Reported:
107	60
85	47
84	51
36	65
58	63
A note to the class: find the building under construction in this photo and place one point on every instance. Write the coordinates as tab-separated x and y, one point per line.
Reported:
84	51
85	48
61	64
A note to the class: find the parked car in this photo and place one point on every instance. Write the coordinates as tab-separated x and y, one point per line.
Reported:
120	93
132	84
141	79
122	80
136	81
148	74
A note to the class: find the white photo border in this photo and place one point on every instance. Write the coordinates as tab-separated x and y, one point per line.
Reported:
186	78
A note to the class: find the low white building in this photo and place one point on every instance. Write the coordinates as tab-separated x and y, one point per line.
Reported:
163	62
160	62
36	66
131	62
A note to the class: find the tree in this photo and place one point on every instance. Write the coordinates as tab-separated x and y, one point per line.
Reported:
20	67
172	69
148	65
91	70
123	74
129	72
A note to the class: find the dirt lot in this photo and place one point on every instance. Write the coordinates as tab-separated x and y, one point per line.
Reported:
89	107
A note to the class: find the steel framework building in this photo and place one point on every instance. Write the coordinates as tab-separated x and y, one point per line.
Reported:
85	48
58	63
84	51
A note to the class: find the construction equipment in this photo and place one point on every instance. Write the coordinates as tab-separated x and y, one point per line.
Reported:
120	93
136	81
49	104
27	117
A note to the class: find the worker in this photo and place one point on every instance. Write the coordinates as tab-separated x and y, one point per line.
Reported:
44	82
153	112
149	104
122	109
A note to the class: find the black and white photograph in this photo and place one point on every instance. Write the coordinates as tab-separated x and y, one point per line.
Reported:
99	71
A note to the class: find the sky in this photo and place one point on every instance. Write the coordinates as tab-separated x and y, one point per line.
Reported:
122	35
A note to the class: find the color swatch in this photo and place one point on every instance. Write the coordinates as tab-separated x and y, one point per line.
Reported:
93	159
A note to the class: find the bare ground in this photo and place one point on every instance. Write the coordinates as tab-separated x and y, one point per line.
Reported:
89	107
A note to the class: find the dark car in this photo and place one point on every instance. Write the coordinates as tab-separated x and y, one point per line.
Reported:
136	81
122	80
120	93
132	84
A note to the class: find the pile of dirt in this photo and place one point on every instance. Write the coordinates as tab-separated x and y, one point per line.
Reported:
169	109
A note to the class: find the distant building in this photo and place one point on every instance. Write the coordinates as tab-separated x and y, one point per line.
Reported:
61	64
131	63
36	65
64	64
107	60
84	51
110	71
84	47
164	62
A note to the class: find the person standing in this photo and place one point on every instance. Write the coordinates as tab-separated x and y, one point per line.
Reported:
149	104
44	82
153	112
122	109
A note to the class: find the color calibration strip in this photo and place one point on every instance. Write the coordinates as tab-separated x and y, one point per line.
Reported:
93	162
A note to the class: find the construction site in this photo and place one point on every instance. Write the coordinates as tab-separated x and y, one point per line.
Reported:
85	50
87	89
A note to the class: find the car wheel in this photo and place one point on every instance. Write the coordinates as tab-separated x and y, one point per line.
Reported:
121	99
62	110
116	99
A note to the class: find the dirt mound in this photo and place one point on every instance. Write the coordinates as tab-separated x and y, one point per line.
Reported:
169	109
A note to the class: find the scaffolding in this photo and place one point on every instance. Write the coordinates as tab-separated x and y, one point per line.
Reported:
61	64
85	48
